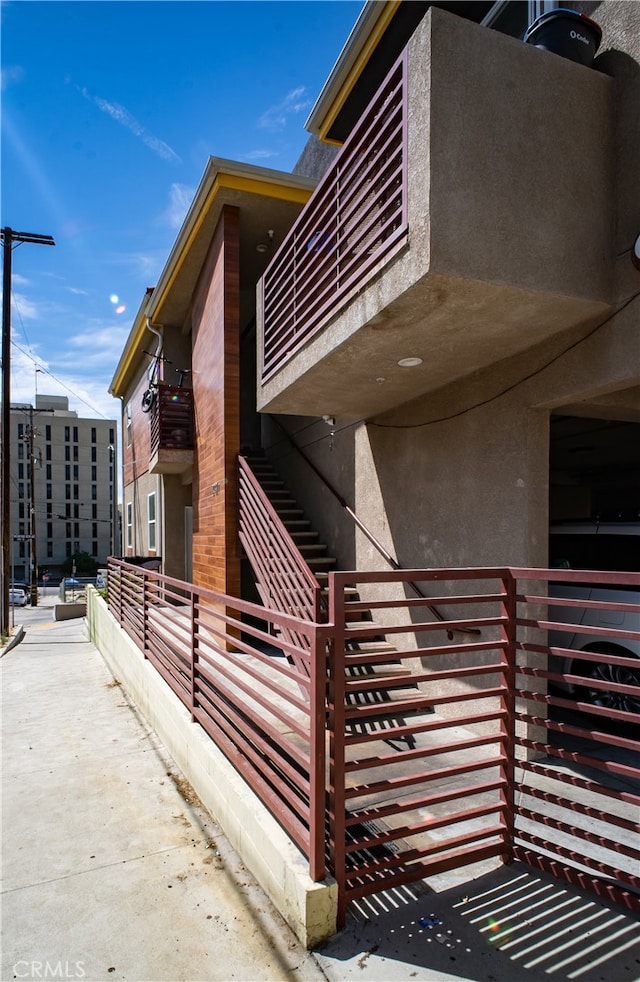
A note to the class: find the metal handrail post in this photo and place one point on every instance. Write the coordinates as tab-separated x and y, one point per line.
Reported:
317	754
509	632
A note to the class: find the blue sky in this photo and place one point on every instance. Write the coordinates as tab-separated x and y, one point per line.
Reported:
109	113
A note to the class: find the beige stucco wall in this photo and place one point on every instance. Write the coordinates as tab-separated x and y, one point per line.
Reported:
509	208
460	476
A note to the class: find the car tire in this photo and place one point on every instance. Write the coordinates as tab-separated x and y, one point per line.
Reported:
604	672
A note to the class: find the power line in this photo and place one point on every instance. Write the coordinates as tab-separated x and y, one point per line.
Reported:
45	371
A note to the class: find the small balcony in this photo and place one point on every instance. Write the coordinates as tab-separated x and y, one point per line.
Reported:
171	430
466	219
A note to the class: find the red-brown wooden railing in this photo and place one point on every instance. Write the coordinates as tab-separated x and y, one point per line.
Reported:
266	712
171	418
354	222
283	578
456	752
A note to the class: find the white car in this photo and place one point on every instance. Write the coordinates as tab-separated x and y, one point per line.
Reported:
18	597
598	546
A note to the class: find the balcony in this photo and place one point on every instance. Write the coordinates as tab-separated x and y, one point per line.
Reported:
171	430
466	219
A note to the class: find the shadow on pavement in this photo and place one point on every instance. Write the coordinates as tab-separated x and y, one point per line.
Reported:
508	923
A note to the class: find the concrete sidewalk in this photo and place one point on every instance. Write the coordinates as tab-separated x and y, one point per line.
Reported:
112	870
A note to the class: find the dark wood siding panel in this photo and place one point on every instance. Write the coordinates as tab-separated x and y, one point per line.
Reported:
215	333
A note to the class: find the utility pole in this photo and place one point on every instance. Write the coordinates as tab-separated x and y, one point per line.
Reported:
8	238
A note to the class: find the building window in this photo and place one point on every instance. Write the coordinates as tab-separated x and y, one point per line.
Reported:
21	472
49	550
129	524
112	435
93	434
21	490
49	473
48	451
67	434
75	434
94	492
49	491
21	431
75	453
67	453
21	451
76	492
47	432
94	547
67	472
94	473
128	423
76	472
151	516
94	454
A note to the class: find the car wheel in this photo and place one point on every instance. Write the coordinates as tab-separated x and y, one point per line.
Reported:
605	672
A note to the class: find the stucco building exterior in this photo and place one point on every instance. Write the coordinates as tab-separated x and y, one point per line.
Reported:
478	369
405	361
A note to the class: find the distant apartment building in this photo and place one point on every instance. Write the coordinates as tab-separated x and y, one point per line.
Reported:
63	486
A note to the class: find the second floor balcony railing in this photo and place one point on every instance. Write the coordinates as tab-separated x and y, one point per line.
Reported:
171	419
355	220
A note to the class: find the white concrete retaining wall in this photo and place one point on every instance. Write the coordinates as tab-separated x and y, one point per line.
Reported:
282	871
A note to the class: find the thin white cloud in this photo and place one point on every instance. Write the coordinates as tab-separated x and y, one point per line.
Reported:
276	117
86	386
261	154
100	345
24	308
180	197
11	75
126	119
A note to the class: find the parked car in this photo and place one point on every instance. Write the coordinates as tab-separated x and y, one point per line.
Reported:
18	597
599	546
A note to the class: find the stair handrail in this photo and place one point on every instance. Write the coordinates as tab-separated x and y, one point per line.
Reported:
386	555
308	592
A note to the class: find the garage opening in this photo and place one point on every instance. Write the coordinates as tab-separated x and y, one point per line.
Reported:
594	470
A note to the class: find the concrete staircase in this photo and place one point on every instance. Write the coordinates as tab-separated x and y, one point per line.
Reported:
320	562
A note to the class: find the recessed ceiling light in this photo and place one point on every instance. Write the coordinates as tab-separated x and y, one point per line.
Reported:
409	362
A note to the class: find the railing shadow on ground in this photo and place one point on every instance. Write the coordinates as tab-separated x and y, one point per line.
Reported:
504	922
277	718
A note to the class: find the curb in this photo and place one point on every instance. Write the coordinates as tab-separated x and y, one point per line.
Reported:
15	639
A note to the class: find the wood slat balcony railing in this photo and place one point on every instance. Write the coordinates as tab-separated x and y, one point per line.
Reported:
171	419
355	220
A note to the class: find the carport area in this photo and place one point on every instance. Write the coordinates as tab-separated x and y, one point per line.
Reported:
594	470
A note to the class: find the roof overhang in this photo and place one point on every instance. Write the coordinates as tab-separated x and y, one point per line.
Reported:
269	201
383	27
